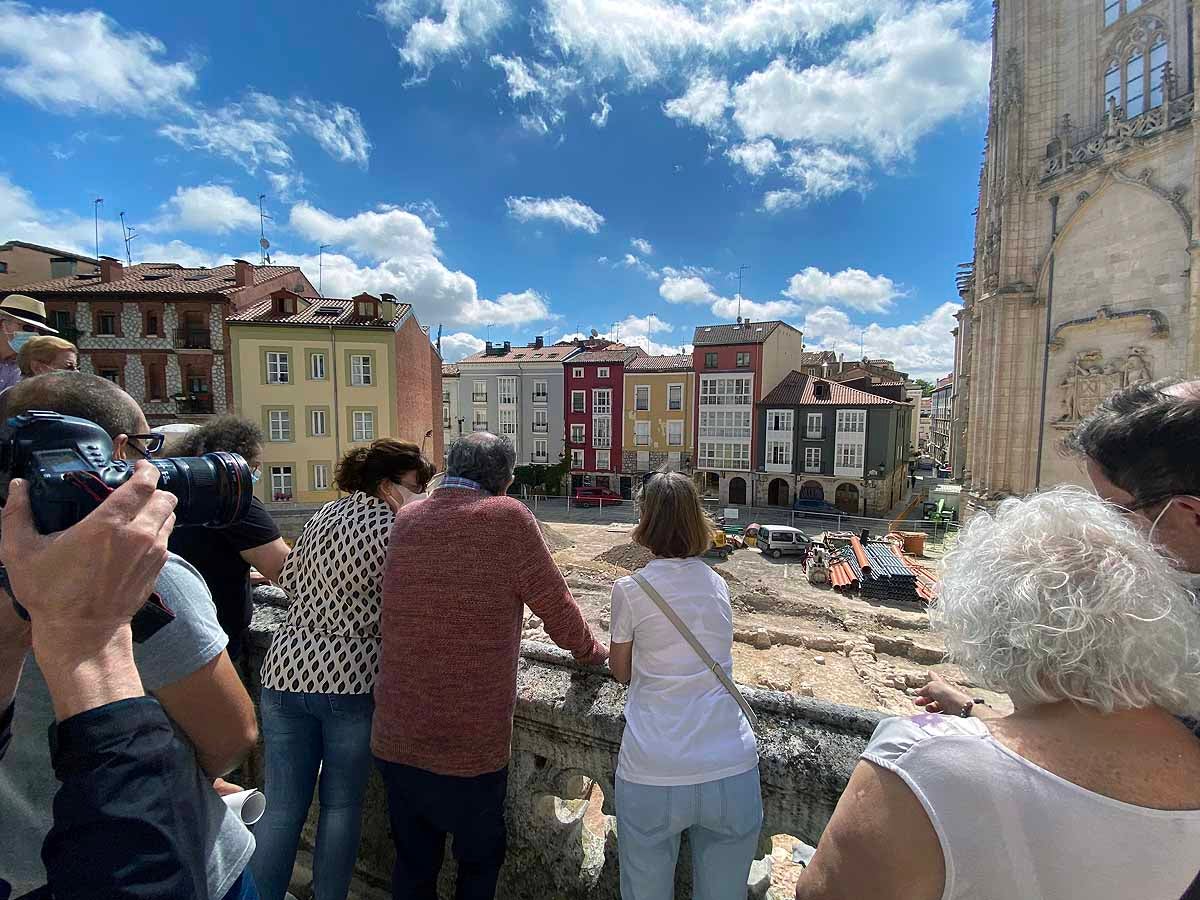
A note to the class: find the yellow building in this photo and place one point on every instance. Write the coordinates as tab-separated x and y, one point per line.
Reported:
319	376
659	397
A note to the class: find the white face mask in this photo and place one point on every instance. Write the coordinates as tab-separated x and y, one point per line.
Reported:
1162	512
407	496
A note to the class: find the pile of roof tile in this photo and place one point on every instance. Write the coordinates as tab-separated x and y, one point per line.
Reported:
878	572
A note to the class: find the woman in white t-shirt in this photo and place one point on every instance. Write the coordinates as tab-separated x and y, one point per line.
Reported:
688	760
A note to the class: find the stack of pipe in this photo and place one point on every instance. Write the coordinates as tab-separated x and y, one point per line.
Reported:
878	572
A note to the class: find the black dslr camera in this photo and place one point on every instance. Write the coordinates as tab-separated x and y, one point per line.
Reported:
69	466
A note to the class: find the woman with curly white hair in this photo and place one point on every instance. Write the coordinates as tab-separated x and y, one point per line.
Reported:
1090	789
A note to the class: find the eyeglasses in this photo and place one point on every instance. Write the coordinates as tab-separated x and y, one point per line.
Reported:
147	444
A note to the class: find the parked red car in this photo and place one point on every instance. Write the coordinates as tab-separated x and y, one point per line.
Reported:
596	496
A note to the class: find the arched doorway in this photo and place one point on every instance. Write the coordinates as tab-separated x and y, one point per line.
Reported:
846	499
737	491
778	493
812	490
709	484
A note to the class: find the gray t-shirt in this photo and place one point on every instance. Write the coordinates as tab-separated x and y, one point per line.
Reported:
27	782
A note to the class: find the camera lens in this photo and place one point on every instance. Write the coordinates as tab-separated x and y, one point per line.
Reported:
214	489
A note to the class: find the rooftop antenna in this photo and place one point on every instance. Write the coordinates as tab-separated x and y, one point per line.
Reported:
439	340
862	335
321	268
96	204
129	234
262	231
741	269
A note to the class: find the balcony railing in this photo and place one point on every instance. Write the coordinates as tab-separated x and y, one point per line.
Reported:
813	435
725	400
192	339
479	398
736	432
282	497
479	426
539	457
196	406
540	429
601	443
69	333
541	398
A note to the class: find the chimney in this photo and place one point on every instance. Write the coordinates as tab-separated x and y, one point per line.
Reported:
487	350
243	273
387	307
110	269
508	346
539	342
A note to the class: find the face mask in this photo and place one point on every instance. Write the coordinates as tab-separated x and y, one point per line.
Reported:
17	341
1163	512
255	475
407	496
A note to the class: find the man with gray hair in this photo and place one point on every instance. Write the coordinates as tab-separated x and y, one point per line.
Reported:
461	568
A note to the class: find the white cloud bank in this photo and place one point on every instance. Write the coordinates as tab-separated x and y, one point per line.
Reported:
565	211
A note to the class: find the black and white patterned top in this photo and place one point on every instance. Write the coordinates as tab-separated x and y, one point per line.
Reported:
334	577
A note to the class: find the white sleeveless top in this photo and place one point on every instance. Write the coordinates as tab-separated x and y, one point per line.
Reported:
1011	829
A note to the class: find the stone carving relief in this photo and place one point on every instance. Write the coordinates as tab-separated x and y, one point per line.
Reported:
1012	91
1090	378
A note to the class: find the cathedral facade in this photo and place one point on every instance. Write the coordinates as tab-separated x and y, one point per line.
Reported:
1085	276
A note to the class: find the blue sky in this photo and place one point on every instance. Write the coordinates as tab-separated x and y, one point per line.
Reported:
522	168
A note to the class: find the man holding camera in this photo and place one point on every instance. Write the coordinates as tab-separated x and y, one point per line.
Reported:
184	665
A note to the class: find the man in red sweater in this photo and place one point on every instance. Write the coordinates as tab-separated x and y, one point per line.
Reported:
461	568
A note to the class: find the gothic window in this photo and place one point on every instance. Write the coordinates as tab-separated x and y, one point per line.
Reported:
1133	76
1114	9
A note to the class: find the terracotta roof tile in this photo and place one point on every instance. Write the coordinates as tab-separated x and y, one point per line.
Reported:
529	354
320	311
680	363
618	353
158	278
746	333
798	389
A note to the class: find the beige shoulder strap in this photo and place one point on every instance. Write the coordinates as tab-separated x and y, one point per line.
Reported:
704	655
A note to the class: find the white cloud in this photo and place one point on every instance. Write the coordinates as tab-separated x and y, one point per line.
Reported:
823	172
729	308
458	345
639	331
883	92
24	220
642	246
567	211
286	185
756	158
777	201
399	254
209	208
687	289
630	261
923	349
852	288
600	116
71	62
176	251
543	88
256	131
436	29
703	103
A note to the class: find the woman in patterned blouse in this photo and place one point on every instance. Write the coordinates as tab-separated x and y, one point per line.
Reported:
319	673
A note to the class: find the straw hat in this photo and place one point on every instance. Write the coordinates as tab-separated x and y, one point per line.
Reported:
27	311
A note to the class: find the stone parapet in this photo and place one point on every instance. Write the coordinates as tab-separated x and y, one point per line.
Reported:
567	732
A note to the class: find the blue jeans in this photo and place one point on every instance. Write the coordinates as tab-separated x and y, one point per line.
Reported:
243	889
722	819
306	734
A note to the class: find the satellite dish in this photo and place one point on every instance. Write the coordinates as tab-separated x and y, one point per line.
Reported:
264	243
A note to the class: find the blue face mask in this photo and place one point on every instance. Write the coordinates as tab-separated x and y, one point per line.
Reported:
255	474
17	341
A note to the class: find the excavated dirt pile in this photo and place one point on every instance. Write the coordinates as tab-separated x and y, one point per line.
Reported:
629	557
555	539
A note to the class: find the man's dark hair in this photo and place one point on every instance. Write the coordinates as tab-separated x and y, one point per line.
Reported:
1146	441
75	394
232	434
484	458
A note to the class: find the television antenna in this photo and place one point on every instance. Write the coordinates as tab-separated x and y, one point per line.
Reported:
321	268
741	270
129	234
262	231
96	204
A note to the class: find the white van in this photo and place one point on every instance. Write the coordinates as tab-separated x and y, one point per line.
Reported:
780	539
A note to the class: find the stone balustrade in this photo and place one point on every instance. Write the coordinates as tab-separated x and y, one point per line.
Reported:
567	731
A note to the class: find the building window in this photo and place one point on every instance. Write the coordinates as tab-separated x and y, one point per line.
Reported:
539	450
602	402
360	370
479	420
603	460
725	424
540	393
602	432
743	359
320	479
281	483
717	391
541	421
106	323
316	367
506	390
779	453
479	392
197	384
674	396
4	269
851	421
602	372
721	455
812	459
641	433
577	434
577	372
675	434
814	426
363	427
576	459
779	420
278	368
62	320
317	423
641	397
578	401
151	324
849	456
156	381
1134	83
366	309
643	460
445	416
508	424
710	360
1114	9
279	425
113	375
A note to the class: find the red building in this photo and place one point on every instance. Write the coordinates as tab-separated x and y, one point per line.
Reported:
594	397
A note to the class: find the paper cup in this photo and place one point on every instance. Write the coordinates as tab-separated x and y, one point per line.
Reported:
249	805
